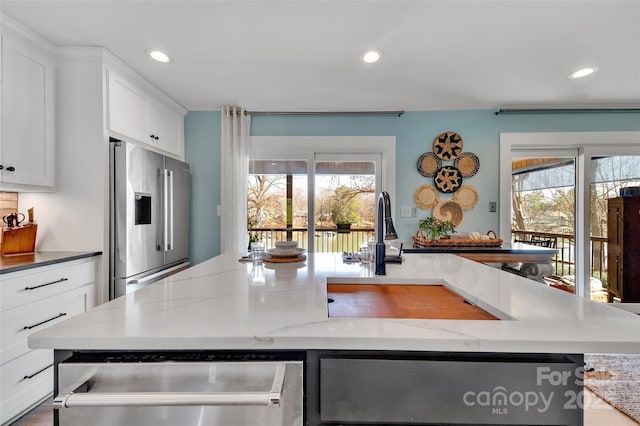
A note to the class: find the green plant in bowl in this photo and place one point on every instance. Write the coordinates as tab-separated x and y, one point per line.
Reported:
432	228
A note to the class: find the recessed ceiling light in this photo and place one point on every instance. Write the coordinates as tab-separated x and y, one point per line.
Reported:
371	56
583	72
159	56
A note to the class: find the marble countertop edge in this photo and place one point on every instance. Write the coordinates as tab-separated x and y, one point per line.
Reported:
223	304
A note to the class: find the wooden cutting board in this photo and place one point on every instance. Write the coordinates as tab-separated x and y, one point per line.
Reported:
400	301
18	240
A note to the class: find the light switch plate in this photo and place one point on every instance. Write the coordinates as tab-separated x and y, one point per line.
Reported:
407	211
492	206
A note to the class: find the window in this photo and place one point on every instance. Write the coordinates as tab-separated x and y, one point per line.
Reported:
344	175
277	201
589	148
543	208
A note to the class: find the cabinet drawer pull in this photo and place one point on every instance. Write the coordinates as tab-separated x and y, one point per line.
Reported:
44	285
11	169
29	327
31	376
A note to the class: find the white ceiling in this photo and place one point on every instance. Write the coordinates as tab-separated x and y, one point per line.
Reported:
304	55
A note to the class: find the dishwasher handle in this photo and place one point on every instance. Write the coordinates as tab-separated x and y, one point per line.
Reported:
271	398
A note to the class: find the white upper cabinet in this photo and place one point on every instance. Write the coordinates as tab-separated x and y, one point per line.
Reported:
135	113
27	141
129	108
169	129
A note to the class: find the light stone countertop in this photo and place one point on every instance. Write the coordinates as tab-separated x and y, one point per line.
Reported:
226	304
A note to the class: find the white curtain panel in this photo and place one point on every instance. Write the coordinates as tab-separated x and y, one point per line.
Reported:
236	127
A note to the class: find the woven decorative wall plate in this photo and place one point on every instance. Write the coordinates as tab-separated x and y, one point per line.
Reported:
449	210
428	164
468	164
466	196
425	197
447	145
447	179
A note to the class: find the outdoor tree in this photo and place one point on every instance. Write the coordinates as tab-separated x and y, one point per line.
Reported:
347	201
344	205
265	200
516	204
300	206
562	208
323	208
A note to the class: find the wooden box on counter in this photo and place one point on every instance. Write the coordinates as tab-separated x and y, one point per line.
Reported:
18	240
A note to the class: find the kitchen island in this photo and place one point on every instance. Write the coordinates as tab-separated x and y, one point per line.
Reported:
225	306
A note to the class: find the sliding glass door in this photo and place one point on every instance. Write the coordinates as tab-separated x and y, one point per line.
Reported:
341	216
277	201
320	192
345	191
604	163
609	177
543	208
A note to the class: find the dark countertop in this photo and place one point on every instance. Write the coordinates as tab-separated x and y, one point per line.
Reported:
21	262
514	248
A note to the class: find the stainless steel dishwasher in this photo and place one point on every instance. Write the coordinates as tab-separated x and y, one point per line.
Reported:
174	391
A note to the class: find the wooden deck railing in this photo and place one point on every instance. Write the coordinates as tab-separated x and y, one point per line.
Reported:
564	260
326	239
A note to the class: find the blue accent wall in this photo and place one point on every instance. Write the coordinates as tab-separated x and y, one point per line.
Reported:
414	132
202	152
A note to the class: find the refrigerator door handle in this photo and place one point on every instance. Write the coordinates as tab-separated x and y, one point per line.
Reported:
165	205
171	218
159	275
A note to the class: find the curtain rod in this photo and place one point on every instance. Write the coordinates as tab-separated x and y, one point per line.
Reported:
398	113
562	110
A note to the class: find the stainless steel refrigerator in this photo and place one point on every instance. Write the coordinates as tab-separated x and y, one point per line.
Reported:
149	217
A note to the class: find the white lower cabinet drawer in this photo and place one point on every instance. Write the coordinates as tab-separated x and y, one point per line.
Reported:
18	323
28	286
25	381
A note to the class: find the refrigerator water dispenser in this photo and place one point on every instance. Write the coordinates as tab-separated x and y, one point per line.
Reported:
143	209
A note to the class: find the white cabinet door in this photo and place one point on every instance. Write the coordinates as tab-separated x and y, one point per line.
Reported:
31	301
24	382
18	323
45	282
169	126
134	113
129	108
27	144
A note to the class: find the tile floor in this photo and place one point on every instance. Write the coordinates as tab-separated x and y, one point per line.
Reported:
597	413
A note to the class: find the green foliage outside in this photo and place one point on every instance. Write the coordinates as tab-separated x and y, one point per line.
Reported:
345	206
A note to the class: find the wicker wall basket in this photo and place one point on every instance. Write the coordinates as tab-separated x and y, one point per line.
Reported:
425	197
421	242
466	196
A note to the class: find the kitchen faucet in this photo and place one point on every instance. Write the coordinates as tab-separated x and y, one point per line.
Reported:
384	211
